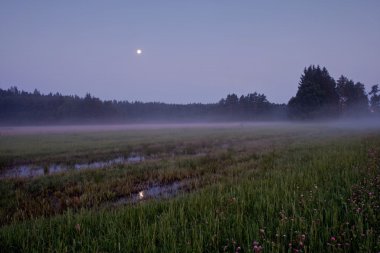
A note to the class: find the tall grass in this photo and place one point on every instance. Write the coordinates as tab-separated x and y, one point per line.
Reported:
302	198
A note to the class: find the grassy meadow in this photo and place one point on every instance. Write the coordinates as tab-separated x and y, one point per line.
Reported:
244	188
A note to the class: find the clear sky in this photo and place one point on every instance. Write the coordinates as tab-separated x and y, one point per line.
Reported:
193	51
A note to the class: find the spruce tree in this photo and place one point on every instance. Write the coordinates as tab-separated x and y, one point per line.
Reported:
316	96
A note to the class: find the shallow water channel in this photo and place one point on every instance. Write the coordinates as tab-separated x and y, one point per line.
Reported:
31	170
155	191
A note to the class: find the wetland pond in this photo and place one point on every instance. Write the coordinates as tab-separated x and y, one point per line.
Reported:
31	170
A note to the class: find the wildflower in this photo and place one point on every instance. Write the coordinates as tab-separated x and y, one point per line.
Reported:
257	249
333	238
232	200
77	227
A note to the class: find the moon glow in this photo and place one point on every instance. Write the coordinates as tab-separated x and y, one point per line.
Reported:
138	51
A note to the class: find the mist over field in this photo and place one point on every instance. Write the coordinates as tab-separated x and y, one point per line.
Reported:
190	126
364	124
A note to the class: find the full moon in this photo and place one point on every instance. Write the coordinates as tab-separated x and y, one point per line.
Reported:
139	51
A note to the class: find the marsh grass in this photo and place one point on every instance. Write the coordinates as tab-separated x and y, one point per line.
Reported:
298	190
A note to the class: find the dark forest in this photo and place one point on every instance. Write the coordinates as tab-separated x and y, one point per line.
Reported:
319	96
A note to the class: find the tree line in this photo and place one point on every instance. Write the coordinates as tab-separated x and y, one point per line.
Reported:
21	107
319	96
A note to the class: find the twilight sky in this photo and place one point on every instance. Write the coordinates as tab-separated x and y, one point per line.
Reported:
193	51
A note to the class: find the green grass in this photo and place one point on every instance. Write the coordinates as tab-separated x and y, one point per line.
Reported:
316	188
82	147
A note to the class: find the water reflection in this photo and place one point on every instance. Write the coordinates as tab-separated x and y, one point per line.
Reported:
156	191
34	171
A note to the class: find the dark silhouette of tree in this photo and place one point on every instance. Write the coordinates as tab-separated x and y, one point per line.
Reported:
20	107
253	106
232	100
316	96
375	99
353	99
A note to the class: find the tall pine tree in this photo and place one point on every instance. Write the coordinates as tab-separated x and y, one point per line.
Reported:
375	99
353	99
316	96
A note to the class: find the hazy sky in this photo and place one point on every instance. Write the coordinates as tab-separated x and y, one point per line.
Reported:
193	51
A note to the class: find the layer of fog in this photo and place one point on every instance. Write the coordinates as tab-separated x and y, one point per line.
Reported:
363	123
